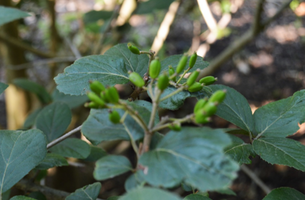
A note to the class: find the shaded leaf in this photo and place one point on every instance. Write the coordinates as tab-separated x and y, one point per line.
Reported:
95	154
284	193
190	156
89	192
20	152
10	14
149	6
196	197
54	119
31	118
94	16
52	160
35	88
113	198
149	193
3	86
37	195
111	166
19	197
72	147
281	118
133	181
71	101
281	151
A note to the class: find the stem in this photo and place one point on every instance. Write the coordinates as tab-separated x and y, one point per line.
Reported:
173	93
162	126
181	77
132	141
54	142
154	110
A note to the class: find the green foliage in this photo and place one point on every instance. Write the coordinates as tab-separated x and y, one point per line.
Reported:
52	160
3	86
284	193
10	14
149	193
196	197
88	192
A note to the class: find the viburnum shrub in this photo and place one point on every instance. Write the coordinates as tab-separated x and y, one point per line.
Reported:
190	155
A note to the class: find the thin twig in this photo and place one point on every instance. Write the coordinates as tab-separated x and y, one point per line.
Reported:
54	142
73	48
255	178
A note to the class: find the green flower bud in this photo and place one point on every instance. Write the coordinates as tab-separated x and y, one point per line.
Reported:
96	99
163	82
218	96
210	109
200	104
114	116
97	87
208	80
193	59
181	65
201	117
192	78
136	79
154	68
91	105
195	87
112	95
171	71
133	48
175	126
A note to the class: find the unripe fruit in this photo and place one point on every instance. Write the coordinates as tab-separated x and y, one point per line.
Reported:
154	68
208	80
200	104
175	126
171	71
193	59
181	65
133	48
163	82
195	87
97	87
96	99
200	117
136	79
114	116
192	78
91	105
218	96
112	95
210	109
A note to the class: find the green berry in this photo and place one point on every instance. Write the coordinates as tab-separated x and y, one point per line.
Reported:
91	105
136	79
181	65
218	96
133	48
114	117
112	95
175	126
200	104
208	80
210	109
163	82
193	59
97	87
192	78
154	68
171	72
96	99
195	87
201	117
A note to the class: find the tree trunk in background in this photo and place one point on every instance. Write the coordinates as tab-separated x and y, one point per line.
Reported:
17	100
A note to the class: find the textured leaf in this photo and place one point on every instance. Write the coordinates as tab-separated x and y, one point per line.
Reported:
234	108
54	119
10	14
149	193
190	156
149	6
71	101
95	154
285	193
89	192
134	181
94	16
281	118
111	166
283	151
19	197
20	152
196	197
31	118
239	151
52	160
3	86
110	69
72	147
35	88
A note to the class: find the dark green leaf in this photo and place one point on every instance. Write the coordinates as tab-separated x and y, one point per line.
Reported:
10	14
35	88
94	16
239	150
71	101
149	6
95	154
111	166
72	147
283	151
133	182
37	195
20	152
284	193
22	198
54	119
113	198
6	195
89	192
189	156
234	108
149	193
3	86
281	118
52	160
31	118
226	191
196	197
